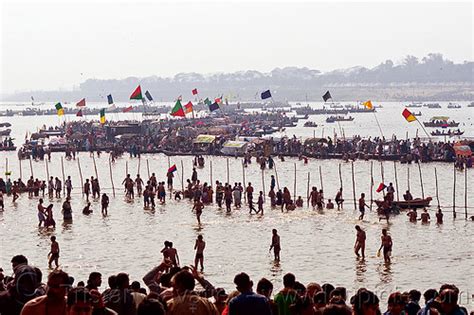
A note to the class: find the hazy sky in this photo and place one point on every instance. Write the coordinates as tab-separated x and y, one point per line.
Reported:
51	45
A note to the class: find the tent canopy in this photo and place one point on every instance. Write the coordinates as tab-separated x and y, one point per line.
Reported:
235	144
444	118
205	139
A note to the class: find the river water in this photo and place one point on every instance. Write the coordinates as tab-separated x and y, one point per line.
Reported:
316	246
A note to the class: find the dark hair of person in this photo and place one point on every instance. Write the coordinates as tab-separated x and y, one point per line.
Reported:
79	294
19	259
184	280
363	297
335	309
289	280
150	306
264	287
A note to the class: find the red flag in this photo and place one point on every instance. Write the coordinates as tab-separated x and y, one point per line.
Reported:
137	94
381	187
127	109
79	113
218	100
188	108
81	103
195	91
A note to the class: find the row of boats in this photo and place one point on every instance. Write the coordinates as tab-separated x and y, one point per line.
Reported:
437	105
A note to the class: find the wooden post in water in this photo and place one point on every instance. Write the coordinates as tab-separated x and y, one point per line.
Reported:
111	177
64	177
436	182
6	168
383	177
148	168
340	175
95	167
126	168
138	168
371	184
408	177
396	179
243	179
47	169
294	186
421	181
454	191
80	174
321	177
228	179
210	172
182	176
307	192
353	186
263	183
21	172
276	175
465	191
31	168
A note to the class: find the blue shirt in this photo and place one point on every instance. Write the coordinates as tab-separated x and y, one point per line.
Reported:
249	303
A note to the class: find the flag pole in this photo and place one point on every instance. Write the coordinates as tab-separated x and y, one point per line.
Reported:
423	127
378	124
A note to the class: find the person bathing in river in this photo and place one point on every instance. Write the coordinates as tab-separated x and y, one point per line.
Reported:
425	216
412	215
386	245
362	206
360	242
338	199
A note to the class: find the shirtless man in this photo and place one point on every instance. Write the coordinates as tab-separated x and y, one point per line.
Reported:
338	199
412	214
362	206
41	213
105	204
313	196
199	247
439	216
425	216
198	206
360	242
139	184
275	245
386	245
53	253
87	189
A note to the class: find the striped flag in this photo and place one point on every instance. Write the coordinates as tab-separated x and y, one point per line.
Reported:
59	109
127	109
81	103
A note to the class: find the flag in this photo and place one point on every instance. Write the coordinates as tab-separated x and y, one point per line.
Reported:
327	96
368	104
102	116
148	96
408	115
207	101
214	106
59	109
79	113
110	100
381	187
172	169
218	100
266	95
127	109
188	108
8	173
137	94
81	103
32	98
177	110
195	91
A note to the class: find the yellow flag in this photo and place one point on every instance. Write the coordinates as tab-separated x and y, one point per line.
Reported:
368	104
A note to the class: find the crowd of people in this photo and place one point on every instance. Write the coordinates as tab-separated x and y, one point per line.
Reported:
173	290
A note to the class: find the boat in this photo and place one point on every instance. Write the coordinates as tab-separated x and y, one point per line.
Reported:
454	106
318	111
417	114
332	119
310	124
471	104
334	105
360	109
449	133
432	105
5	132
414	104
440	121
410	204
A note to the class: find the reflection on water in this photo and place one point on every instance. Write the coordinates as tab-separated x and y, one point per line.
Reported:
317	246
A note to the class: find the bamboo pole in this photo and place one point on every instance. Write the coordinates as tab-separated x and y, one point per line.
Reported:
263	184
138	167
307	190
148	168
465	191
294	186
64	177
31	168
421	182
396	179
111	177
371	184
383	176
21	172
243	178
436	182
276	175
47	169
228	179
210	172
408	177
182	176
321	177
353	186
454	191
95	167
340	175
6	168
126	168
80	174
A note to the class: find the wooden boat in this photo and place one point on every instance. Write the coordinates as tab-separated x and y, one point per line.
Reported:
415	203
454	106
5	132
440	121
310	124
414	105
471	104
417	114
432	105
332	119
449	133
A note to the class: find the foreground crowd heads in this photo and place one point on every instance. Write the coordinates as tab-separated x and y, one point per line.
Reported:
172	290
